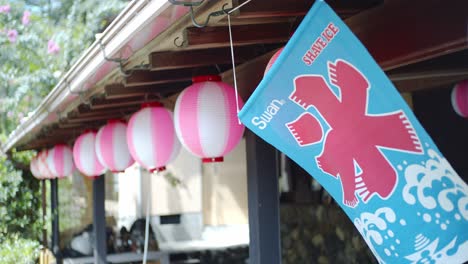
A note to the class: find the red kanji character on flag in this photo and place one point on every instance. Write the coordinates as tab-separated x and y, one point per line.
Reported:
352	145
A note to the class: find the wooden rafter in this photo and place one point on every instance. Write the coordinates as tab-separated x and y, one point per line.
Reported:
151	78
400	33
103	103
202	60
281	8
216	36
120	91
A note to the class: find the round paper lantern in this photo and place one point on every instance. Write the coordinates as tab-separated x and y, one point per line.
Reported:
42	165
60	161
34	169
206	120
111	146
272	60
151	137
84	155
460	98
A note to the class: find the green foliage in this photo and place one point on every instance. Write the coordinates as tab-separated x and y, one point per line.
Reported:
19	202
19	250
29	68
34	54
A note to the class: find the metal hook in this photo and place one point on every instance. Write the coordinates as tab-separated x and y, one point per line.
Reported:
60	117
226	11
120	61
83	100
213	14
218	68
179	45
70	90
103	51
125	73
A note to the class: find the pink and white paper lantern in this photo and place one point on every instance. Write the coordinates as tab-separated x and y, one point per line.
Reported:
42	166
206	120
34	169
84	155
151	137
460	98
60	161
272	60
111	146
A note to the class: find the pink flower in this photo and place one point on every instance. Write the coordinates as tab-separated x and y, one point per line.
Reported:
25	19
12	35
52	47
5	9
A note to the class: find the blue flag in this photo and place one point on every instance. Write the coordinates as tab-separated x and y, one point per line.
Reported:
327	105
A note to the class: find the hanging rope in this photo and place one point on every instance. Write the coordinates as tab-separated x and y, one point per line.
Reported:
148	207
232	54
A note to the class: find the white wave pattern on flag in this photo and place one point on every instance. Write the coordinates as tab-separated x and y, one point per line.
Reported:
373	227
423	180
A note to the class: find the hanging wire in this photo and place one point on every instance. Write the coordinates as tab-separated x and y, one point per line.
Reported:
228	13
148	202
234	68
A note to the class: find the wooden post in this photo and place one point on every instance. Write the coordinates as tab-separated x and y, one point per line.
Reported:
55	220
264	219
99	220
44	213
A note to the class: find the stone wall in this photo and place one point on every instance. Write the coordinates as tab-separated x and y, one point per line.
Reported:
320	234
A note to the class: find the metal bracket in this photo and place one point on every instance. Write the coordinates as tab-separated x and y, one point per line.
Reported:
192	12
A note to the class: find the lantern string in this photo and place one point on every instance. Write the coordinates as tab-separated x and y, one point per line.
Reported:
148	202
237	7
228	13
233	67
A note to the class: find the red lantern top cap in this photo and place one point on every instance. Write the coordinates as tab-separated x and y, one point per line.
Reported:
112	121
89	131
151	104
163	168
206	78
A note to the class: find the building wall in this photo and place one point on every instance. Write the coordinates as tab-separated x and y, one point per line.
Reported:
177	190
213	194
225	190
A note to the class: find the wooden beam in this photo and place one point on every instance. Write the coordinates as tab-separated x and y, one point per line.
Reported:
242	34
433	73
141	78
429	74
103	103
97	118
402	32
414	85
120	91
203	61
76	114
281	8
